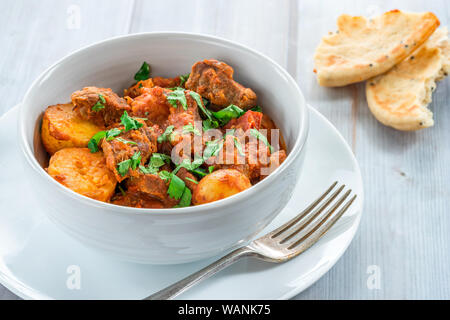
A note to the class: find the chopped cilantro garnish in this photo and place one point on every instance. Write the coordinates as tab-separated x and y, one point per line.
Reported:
164	175
159	159
190	128
108	135
129	122
126	141
143	73
177	95
133	162
165	136
148	170
210	124
228	113
100	104
238	146
256	109
191	180
121	190
185	200
210	169
184	78
212	148
198	99
176	187
261	137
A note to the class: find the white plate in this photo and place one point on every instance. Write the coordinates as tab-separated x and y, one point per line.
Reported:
35	255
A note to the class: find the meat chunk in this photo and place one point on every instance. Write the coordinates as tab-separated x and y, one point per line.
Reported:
150	187
124	146
213	80
99	105
152	105
249	120
133	200
142	86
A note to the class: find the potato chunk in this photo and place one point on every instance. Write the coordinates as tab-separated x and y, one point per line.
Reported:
219	185
83	172
63	128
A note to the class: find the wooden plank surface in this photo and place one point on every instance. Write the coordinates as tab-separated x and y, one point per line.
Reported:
403	232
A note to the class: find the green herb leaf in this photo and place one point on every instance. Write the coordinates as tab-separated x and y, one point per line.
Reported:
200	172
143	73
126	141
176	187
261	137
123	167
238	146
148	169
135	160
185	200
166	134
212	148
121	190
184	78
256	109
164	175
210	169
177	95
112	133
228	113
198	99
129	122
191	180
190	128
95	140
159	159
100	104
210	124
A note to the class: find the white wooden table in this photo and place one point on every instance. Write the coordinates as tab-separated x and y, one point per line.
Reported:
404	234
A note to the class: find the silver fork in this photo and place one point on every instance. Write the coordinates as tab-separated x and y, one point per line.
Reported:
280	245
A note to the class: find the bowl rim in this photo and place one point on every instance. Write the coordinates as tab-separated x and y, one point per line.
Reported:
299	144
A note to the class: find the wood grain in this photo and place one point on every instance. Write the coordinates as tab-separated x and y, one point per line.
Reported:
404	230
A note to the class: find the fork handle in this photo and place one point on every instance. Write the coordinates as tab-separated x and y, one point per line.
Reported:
177	288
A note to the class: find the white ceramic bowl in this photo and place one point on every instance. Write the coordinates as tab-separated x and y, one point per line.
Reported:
165	236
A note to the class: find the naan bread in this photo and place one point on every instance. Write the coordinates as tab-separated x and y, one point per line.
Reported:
364	48
399	98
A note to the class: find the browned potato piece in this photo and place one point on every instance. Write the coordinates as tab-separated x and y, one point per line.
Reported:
219	185
63	128
83	172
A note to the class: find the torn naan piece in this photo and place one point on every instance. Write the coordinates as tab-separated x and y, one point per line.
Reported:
399	98
364	48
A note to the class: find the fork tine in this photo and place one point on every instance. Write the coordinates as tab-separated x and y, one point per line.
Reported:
313	216
316	232
290	223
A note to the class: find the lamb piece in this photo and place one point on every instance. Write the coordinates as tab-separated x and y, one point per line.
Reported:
150	187
249	120
152	105
143	140
142	86
132	200
213	80
88	103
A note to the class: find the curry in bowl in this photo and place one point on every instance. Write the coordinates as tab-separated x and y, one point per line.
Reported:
167	142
